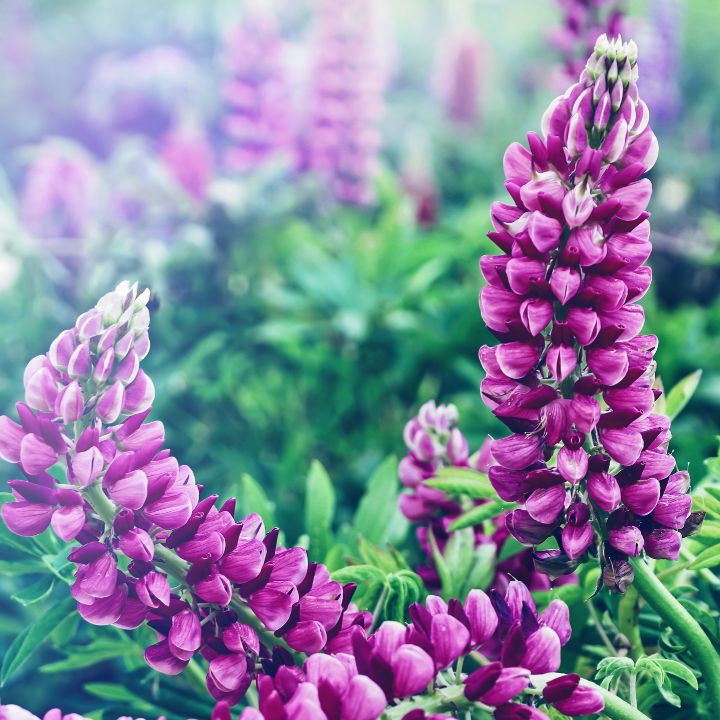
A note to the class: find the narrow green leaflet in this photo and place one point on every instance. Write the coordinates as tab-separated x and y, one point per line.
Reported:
676	668
709	558
482	570
376	513
681	394
359	574
32	638
36	592
111	691
463	481
319	510
480	514
254	499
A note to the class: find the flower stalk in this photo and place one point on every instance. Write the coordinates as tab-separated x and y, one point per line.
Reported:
684	624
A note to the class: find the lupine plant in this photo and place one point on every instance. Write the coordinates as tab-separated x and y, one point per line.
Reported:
585	478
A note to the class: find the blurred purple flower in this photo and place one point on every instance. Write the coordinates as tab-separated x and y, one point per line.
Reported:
141	93
259	122
660	43
60	197
462	75
347	86
186	152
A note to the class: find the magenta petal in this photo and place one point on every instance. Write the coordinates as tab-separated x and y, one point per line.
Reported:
663	543
510	682
36	455
185	636
104	611
627	539
448	637
624	446
546	504
557	616
576	539
26	518
130	491
363	700
244	562
228	671
67	522
412	670
171	511
137	545
517	359
11	436
273	603
542	652
308	636
159	658
641	496
517	452
482	616
672	510
133	615
604	491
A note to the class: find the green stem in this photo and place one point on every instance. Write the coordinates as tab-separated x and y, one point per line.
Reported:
100	503
172	564
615	708
628	611
684	625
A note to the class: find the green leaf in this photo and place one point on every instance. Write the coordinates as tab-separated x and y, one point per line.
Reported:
462	481
446	579
254	499
111	691
359	574
482	570
32	638
676	668
35	592
706	559
681	394
376	513
480	514
319	510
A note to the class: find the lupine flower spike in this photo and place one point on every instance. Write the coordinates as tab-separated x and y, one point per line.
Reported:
562	299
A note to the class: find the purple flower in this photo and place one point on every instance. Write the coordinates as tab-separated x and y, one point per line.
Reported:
347	84
561	300
259	122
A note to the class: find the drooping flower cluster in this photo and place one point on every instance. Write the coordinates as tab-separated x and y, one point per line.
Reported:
398	661
259	123
583	21
84	415
562	300
434	440
347	81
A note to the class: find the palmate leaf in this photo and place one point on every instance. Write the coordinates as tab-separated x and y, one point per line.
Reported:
33	637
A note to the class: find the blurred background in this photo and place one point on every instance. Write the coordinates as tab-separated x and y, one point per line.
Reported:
305	185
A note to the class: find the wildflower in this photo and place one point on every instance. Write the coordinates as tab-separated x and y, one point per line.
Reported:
562	300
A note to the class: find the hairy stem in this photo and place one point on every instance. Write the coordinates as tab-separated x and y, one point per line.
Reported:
628	611
684	625
100	503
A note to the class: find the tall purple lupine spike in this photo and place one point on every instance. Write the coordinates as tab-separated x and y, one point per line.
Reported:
260	124
348	80
583	21
85	415
562	300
